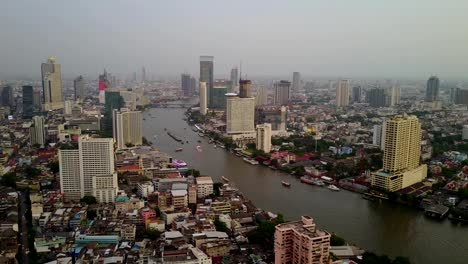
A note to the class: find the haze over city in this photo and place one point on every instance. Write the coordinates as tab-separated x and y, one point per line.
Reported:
351	39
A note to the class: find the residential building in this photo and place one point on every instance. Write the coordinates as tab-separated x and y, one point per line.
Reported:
378	135
219	94
37	99
105	187
402	154
6	96
52	84
240	115
377	97
203	98
342	93
282	92
356	94
296	82
28	104
395	95
127	128
79	87
206	76
461	96
204	186
113	100
276	116
261	98
37	131
264	137
186	83
301	242
432	89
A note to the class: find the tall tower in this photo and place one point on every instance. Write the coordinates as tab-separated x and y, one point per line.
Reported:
6	95
28	103
78	85
143	74
245	90
357	94
218	93
296	82
395	96
52	84
240	114
234	80
127	128
186	84
37	131
432	89
342	93
206	75
203	98
264	137
282	92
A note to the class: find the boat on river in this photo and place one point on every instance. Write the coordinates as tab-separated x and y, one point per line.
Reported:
178	149
286	184
199	149
251	161
333	188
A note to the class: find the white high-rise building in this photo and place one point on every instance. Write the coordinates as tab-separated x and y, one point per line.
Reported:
240	114
203	98
37	131
127	128
395	95
342	93
261	98
52	84
88	170
378	135
264	137
68	107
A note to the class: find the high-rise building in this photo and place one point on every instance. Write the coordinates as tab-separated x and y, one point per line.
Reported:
28	104
377	97
127	128
52	84
219	94
378	135
264	137
261	98
143	74
6	96
402	153
68	106
113	101
342	93
103	85
193	85
234	80
245	88
394	96
240	115
296	82
461	96
301	242
432	89
186	83
206	75
78	85
89	170
37	131
203	98
37	99
274	115
357	94
282	92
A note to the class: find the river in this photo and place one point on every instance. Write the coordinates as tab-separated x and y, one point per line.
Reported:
384	228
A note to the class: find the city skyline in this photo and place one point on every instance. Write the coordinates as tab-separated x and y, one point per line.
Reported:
332	38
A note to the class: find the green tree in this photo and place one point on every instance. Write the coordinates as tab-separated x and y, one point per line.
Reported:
216	188
88	199
9	179
54	166
31	172
337	241
152	234
220	226
91	214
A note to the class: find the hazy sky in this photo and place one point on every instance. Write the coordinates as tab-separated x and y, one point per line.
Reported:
348	38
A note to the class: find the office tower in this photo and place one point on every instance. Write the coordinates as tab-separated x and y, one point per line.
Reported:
357	94
37	131
261	98
203	98
89	170
6	96
234	80
394	97
219	94
127	128
376	97
103	85
264	137
342	93
301	242
432	89
275	116
52	84
240	113
143	74
461	96
186	83
113	101
37	99
193	86
206	75
78	85
28	104
296	82
245	88
453	93
282	92
402	153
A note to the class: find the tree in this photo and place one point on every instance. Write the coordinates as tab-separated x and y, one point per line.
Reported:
152	234
220	226
216	188
336	241
54	166
91	214
9	179
264	234
129	145
88	199
31	172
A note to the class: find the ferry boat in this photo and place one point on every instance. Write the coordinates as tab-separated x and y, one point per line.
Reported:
178	149
199	149
307	180
286	184
333	188
250	161
319	182
225	179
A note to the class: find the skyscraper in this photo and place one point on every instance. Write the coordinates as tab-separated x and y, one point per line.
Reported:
6	96
296	82
234	80
37	131
402	153
261	98
143	74
219	94
78	85
302	243
264	137
342	93
52	84
186	84
28	104
376	97
103	85
113	101
245	88
203	98
357	94
240	115
282	92
127	128
394	96
37	99
89	170
206	75
432	89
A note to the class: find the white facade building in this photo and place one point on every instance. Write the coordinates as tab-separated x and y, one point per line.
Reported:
127	128
204	186
240	114
342	93
264	137
37	131
203	98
